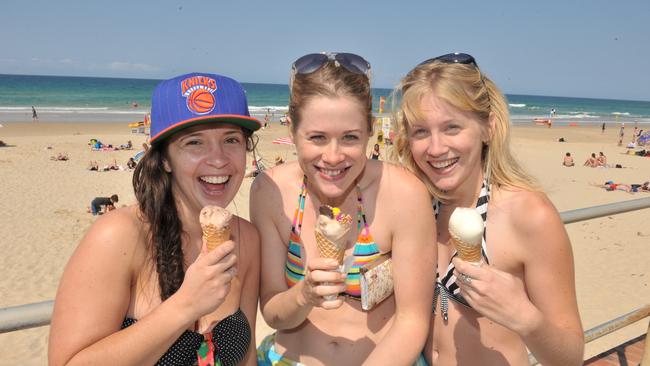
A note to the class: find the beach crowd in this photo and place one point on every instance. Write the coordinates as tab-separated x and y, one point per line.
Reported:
401	289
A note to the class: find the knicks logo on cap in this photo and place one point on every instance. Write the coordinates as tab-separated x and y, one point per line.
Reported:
199	92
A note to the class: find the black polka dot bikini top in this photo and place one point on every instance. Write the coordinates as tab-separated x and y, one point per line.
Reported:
231	338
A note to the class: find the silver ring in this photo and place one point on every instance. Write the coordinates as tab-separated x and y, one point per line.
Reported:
465	278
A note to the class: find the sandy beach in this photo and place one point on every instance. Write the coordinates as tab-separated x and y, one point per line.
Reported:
43	214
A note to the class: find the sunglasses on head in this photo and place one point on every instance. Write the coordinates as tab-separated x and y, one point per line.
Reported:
314	61
453	58
458	58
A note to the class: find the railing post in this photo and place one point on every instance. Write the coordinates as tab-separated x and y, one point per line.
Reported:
646	350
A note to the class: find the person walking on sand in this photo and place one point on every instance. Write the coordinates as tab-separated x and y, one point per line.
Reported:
316	309
142	288
621	134
34	114
267	118
603	129
453	132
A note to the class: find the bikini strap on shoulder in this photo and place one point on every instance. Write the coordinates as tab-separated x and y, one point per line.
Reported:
296	225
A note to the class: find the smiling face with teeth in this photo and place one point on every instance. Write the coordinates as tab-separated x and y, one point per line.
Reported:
207	164
446	144
331	139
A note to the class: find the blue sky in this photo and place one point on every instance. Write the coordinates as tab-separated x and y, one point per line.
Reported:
575	48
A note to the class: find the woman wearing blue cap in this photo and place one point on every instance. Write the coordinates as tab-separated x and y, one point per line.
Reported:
317	304
141	288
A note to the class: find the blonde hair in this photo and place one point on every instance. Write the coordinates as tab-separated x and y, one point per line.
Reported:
463	86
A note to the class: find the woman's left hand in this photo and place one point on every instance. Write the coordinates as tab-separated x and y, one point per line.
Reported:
495	294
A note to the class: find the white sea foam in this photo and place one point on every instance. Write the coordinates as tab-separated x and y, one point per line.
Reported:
517	105
621	113
73	110
579	115
63	109
264	109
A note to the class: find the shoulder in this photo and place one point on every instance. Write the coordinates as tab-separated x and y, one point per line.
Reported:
113	246
529	213
395	180
271	189
396	192
278	177
119	230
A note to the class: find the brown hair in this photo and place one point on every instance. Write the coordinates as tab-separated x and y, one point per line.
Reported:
464	87
153	190
331	80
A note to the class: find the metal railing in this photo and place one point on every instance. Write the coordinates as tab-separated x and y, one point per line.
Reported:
25	316
614	325
39	314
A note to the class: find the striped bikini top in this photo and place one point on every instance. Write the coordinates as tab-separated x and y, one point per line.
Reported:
447	287
365	249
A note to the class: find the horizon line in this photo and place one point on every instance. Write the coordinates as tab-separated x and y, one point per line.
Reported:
249	82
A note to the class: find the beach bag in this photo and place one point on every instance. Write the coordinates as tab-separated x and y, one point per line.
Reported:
376	281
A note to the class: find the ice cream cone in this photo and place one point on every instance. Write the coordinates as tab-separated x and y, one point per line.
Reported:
328	248
215	225
331	227
214	236
466	251
466	233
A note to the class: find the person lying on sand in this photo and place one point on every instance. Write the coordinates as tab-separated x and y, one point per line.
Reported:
630	188
60	157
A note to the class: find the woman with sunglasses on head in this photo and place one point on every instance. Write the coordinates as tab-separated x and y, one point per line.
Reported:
453	132
316	308
142	288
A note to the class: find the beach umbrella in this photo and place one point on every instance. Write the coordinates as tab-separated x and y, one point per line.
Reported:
138	156
283	141
644	139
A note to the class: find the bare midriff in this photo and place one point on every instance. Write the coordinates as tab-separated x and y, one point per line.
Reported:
470	339
344	336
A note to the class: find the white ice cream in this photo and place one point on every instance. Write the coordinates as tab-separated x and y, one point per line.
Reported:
466	224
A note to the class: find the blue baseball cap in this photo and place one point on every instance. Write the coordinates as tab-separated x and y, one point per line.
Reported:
198	98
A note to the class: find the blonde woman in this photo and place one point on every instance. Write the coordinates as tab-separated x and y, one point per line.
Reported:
453	132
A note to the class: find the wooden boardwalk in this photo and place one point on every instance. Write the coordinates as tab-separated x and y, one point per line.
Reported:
627	354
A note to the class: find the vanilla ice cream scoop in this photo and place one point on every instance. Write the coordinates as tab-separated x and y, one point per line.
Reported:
215	223
466	231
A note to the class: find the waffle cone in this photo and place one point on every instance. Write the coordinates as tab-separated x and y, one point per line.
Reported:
214	236
466	251
328	248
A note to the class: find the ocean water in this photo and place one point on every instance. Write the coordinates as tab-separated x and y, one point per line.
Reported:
62	98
